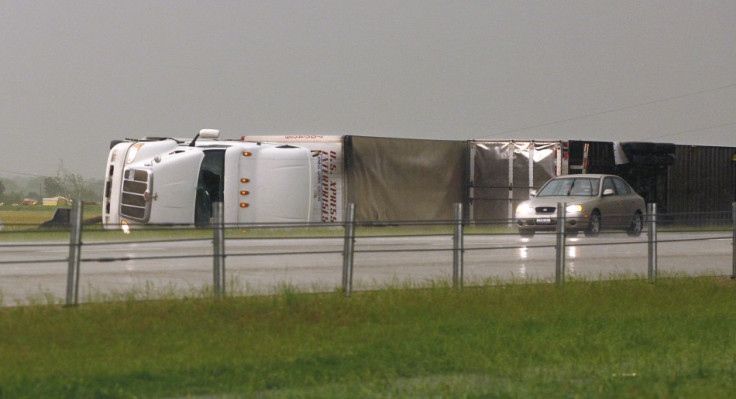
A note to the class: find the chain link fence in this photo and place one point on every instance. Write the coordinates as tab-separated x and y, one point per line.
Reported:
347	256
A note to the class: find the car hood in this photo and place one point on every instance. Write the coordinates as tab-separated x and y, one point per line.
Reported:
552	201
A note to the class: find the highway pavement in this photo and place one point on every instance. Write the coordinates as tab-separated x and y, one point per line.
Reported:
36	272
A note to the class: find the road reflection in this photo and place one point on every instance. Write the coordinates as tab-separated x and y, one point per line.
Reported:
572	253
522	254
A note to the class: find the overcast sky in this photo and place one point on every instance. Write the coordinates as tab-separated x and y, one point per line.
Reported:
78	74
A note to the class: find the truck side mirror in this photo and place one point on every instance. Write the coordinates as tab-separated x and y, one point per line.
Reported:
205	133
209	133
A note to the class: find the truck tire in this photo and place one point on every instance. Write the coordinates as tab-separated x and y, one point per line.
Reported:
632	147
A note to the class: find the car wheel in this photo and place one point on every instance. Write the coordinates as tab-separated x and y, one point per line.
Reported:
594	226
637	223
526	232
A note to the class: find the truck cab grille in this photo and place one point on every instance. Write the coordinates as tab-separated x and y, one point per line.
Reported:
134	203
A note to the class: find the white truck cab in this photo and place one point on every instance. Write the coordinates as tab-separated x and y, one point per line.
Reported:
175	181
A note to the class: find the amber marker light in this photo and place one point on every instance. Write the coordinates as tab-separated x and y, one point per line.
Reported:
244	192
243	205
247	153
244	180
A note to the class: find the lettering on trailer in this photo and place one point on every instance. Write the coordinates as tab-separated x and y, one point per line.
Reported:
303	137
329	186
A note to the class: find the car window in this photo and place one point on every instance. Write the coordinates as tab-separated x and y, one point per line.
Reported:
622	187
556	187
568	186
585	187
608	183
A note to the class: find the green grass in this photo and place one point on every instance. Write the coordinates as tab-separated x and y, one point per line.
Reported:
23	216
29	217
584	339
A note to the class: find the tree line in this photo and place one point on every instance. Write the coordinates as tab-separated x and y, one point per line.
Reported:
65	184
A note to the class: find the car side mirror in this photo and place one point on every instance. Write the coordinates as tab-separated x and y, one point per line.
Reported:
532	193
608	191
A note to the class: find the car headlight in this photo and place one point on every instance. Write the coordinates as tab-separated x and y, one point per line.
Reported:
524	208
574	208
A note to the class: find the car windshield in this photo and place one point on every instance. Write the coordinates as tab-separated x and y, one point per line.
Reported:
579	187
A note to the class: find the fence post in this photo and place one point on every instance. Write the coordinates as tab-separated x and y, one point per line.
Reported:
457	258
219	249
75	252
348	250
560	246
733	240
652	242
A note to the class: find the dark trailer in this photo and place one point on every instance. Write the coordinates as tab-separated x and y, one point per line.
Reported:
690	184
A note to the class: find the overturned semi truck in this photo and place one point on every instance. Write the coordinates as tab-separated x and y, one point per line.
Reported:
311	178
161	180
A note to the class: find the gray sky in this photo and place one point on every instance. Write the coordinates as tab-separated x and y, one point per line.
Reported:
77	74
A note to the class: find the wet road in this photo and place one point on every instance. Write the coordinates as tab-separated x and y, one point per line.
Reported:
263	265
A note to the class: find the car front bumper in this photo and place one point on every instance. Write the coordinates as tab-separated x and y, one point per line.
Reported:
549	223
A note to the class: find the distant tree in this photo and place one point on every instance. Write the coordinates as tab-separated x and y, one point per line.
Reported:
92	190
52	186
2	188
10	198
72	185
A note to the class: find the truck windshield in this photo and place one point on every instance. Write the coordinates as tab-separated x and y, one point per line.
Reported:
209	185
573	187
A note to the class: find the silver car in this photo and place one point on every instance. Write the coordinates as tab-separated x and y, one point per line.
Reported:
592	202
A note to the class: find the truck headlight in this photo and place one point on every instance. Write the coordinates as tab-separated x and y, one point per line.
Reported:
132	152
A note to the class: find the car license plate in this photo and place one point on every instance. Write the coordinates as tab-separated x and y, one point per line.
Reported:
544	220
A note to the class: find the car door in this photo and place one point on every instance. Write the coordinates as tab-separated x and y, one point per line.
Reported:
610	204
627	198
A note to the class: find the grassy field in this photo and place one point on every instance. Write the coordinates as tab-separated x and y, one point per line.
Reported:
31	216
584	339
24	216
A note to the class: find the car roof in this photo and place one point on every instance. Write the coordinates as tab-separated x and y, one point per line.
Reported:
588	175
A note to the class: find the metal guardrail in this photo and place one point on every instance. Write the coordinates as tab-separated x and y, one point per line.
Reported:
458	249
